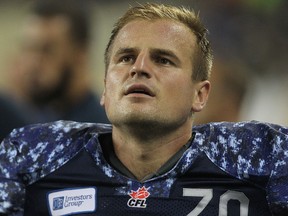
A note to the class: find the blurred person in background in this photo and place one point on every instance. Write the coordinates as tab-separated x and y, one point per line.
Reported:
254	32
52	80
10	116
229	81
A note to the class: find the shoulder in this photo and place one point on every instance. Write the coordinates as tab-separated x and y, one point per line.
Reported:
251	130
255	147
48	146
55	133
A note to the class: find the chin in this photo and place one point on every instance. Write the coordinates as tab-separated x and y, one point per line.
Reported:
132	119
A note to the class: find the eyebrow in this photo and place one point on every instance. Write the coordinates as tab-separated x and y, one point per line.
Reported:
165	52
125	50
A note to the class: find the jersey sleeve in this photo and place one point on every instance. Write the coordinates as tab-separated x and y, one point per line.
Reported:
278	183
30	153
11	188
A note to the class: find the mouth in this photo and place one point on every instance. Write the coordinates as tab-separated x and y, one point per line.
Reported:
139	89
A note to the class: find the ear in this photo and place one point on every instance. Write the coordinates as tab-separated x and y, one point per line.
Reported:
202	90
102	100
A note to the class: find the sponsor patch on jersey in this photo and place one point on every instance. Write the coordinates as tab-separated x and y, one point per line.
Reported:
72	201
138	198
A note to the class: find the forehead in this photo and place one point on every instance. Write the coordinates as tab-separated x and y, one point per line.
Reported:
160	33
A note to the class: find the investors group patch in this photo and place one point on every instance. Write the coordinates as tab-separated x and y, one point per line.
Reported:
72	201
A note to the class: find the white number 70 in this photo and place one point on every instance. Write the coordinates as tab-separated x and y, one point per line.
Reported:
207	195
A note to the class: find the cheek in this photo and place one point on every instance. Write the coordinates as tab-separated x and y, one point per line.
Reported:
179	84
180	91
112	86
115	79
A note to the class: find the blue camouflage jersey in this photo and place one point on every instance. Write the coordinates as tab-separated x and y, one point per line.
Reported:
229	169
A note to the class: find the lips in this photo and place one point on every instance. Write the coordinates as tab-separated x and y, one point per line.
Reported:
139	89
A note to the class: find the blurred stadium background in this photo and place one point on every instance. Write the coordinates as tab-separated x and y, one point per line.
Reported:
249	39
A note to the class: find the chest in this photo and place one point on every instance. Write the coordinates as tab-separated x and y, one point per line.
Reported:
81	187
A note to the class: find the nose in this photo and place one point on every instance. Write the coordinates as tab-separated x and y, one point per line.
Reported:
142	66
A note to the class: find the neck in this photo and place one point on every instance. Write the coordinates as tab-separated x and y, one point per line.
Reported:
145	156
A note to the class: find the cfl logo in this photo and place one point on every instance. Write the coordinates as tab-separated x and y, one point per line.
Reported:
138	198
137	203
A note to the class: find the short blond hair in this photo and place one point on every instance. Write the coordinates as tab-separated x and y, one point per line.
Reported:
202	58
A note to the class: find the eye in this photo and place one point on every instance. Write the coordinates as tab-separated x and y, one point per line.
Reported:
126	59
163	61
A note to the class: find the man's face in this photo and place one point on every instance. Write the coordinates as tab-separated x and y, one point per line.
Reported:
148	79
49	55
